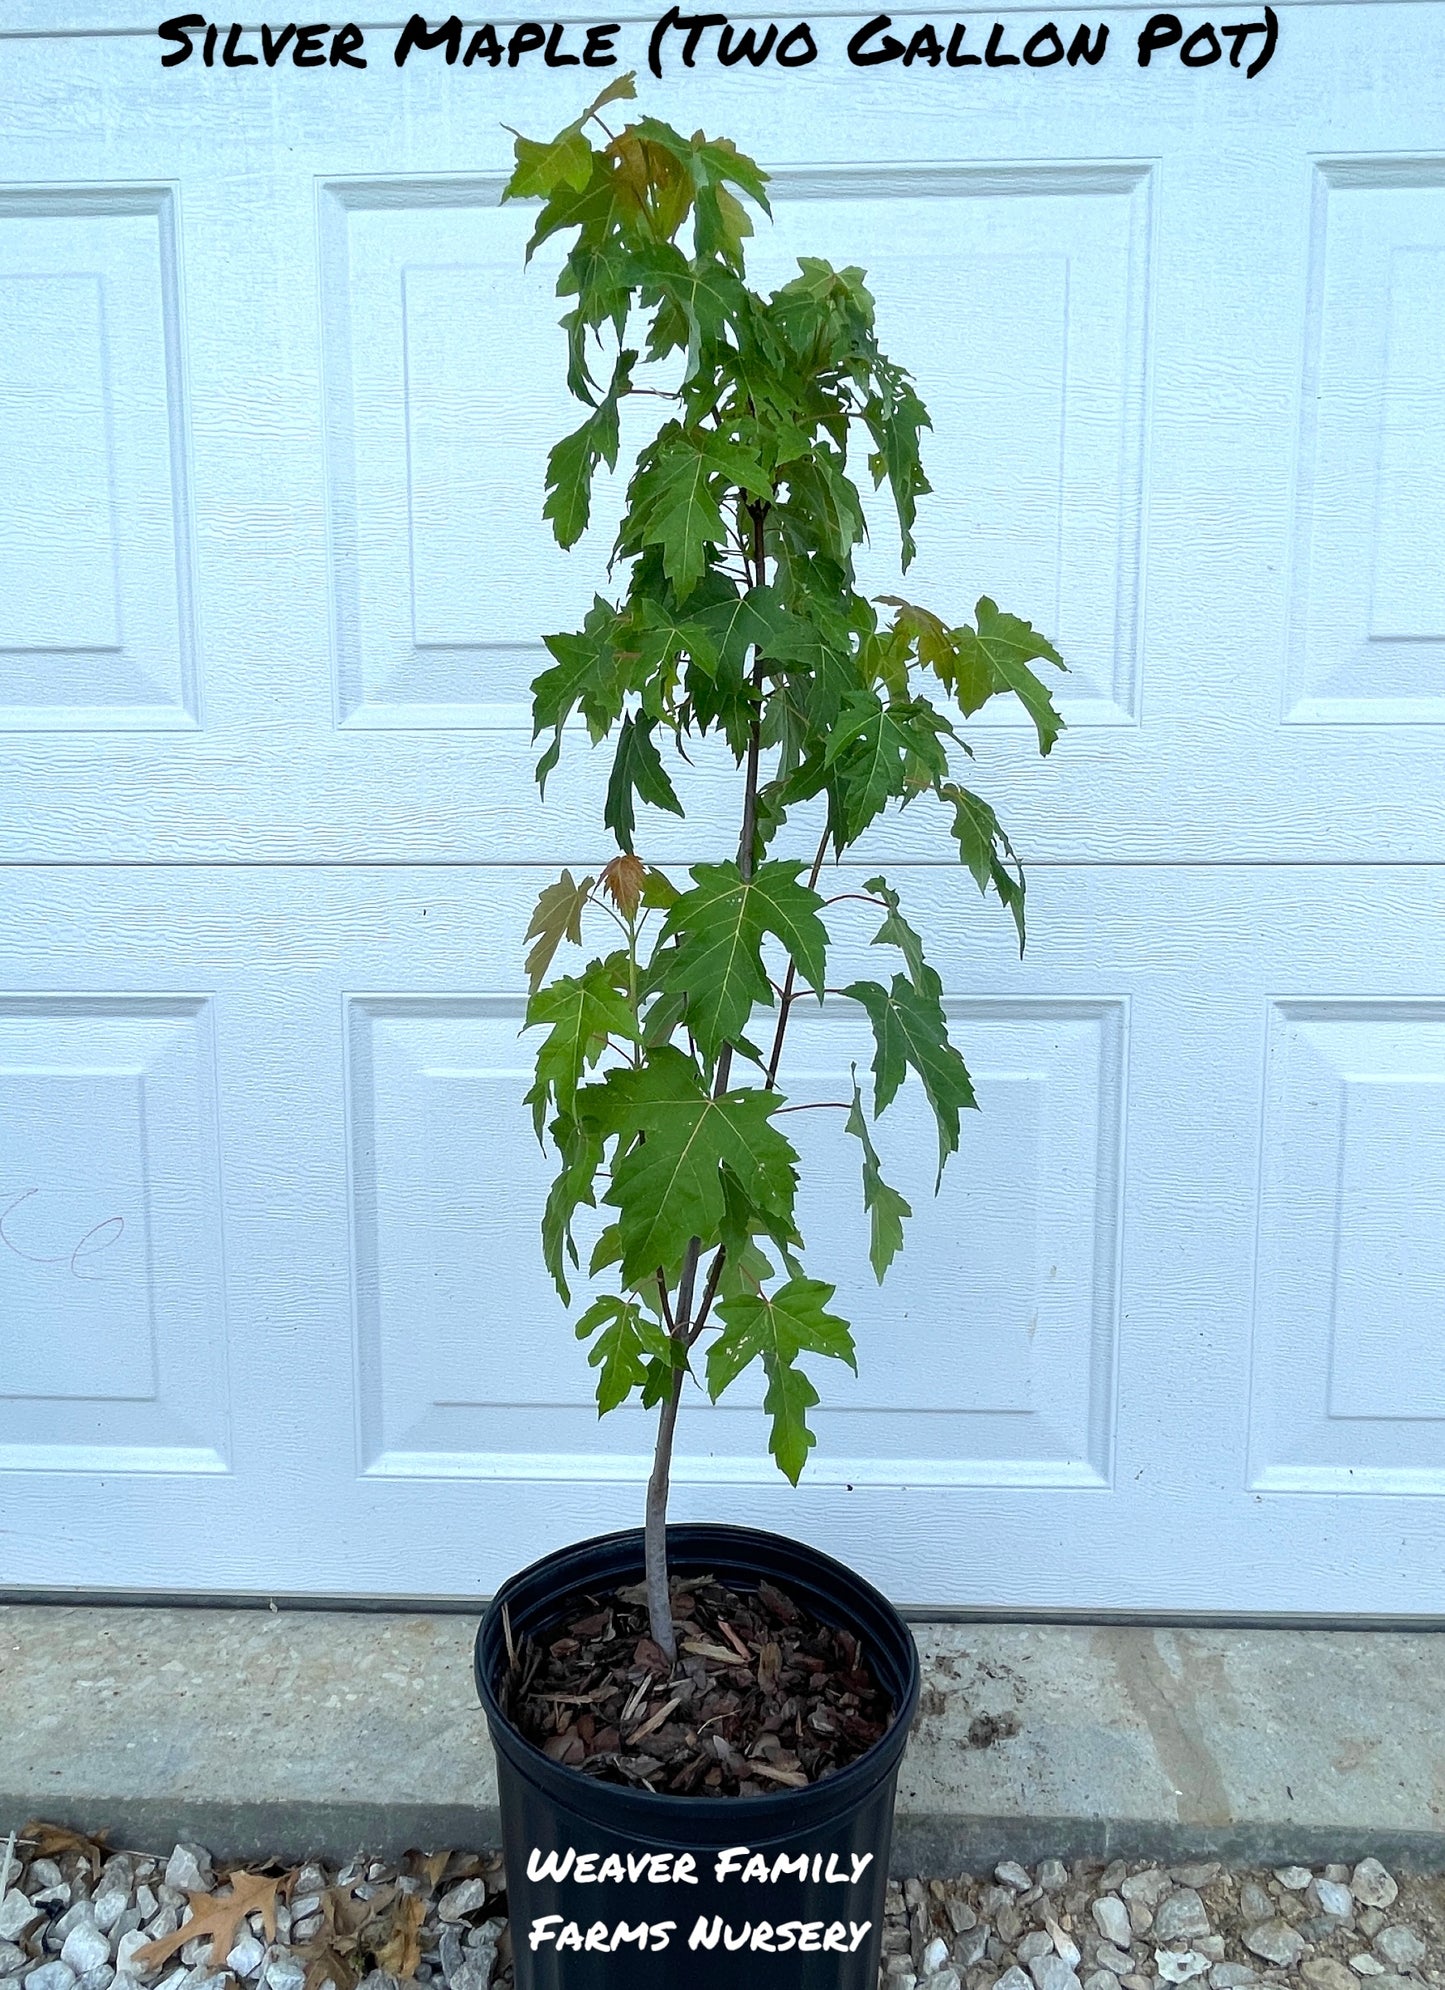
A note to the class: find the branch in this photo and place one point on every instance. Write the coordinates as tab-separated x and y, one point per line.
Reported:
817	1105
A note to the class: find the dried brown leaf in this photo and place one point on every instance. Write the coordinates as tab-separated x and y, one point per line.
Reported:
219	1915
401	1951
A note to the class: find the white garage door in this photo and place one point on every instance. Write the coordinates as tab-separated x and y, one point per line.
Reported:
274	398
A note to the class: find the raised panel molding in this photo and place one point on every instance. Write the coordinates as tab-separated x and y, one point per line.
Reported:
1347	1390
112	1304
456	1318
1367	612
96	583
444	392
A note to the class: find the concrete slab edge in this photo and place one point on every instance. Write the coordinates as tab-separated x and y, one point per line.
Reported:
252	1833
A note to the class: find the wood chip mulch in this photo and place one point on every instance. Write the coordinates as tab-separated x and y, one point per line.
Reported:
763	1697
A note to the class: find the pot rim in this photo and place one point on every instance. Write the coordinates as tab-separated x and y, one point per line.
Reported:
852	1599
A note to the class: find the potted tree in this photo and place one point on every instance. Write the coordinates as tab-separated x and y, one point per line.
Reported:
698	1729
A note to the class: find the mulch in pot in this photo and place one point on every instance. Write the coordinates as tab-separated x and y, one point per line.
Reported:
763	1697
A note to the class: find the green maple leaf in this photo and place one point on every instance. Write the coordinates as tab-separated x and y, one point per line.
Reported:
896	932
582	1011
980	841
563	161
886	1208
674	503
558	917
909	1028
579	1142
636	769
894	417
573	461
628	1350
1005	646
667	1186
776	1328
719	928
877	751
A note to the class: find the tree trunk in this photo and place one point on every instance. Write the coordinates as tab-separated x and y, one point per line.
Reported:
659	1603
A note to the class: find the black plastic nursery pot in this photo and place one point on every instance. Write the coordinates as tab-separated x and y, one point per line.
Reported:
713	1891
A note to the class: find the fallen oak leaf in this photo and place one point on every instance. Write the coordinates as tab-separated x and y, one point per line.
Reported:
48	1840
221	1916
400	1953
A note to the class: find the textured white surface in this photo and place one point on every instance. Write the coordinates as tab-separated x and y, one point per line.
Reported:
271	1315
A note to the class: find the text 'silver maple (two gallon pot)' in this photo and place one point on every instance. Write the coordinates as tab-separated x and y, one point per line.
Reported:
698	1729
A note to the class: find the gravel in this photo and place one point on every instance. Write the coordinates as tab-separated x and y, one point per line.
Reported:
75	1917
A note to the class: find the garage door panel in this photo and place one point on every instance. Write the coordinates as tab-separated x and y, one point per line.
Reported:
1369	606
468	1363
95	561
1347	1392
111	1257
1017	295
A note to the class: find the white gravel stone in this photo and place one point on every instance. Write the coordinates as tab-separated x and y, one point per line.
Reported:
284	1972
1401	1947
12	1959
189	1869
1295	1878
970	1947
1277	1942
1323	1972
1372	1886
481	1956
1180	1915
1180	1965
934	1957
18	1916
86	1948
1232	1976
246	1957
1053	1875
1101	1979
1254	1903
945	1979
1064	1944
55	1975
1203	1872
961	1916
1367	1965
1011	1873
1111	1958
1148	1887
1034	1943
469	1897
99	1978
125	1963
1051	1972
1111	1918
1013	1978
1333	1898
109	1905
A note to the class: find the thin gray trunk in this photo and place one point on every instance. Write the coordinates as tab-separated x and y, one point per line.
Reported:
659	1603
